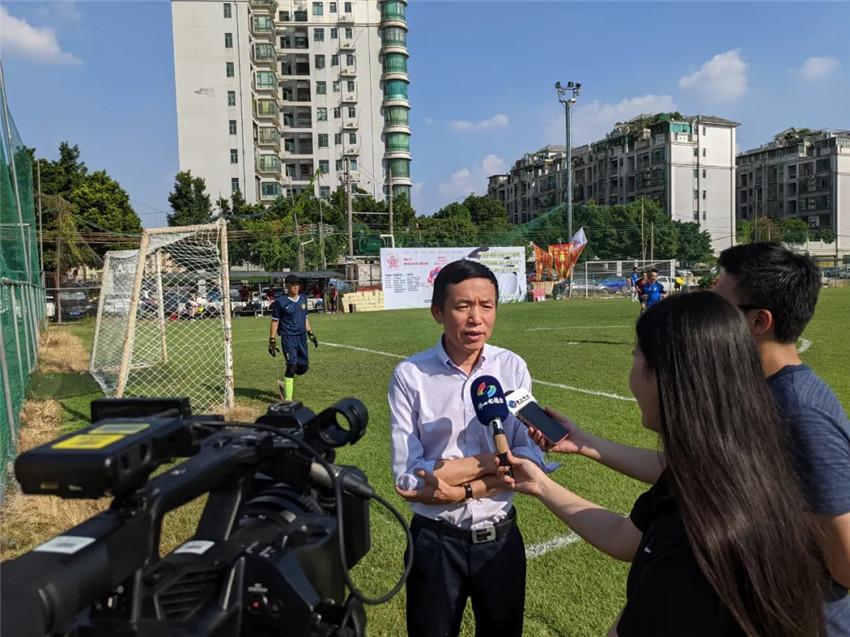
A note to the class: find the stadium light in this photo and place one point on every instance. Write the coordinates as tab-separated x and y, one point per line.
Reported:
567	96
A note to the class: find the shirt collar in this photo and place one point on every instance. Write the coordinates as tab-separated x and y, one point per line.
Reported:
445	359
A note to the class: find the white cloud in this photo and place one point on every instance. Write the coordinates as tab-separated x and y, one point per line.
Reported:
815	67
722	79
468	180
20	39
593	120
498	120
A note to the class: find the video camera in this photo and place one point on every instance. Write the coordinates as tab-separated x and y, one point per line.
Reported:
271	554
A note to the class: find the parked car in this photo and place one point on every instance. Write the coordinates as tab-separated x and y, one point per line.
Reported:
76	304
614	283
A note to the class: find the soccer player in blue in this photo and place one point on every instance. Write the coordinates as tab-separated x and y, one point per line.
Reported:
652	291
289	319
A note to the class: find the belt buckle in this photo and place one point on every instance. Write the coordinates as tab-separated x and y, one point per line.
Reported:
484	534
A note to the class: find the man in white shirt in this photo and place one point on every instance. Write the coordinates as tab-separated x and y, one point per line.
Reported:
466	542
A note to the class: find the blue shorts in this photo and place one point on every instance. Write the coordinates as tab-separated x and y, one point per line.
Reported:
294	348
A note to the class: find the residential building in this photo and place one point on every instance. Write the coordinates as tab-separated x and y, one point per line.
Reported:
686	163
271	92
801	174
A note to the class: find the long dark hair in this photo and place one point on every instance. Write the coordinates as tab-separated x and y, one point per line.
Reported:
729	467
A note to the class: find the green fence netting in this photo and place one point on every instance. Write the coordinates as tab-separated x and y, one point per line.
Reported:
21	291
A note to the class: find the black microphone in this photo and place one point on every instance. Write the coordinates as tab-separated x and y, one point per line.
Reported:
488	399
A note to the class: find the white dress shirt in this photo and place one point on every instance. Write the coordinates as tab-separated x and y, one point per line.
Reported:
432	418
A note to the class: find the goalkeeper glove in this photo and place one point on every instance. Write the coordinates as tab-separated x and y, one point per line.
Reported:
273	348
313	338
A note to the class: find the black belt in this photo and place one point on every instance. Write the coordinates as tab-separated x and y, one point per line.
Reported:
489	533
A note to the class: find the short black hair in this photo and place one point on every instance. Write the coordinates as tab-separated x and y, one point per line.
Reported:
773	277
292	279
456	272
654	271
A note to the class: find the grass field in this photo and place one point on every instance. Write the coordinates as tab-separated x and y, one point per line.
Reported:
583	346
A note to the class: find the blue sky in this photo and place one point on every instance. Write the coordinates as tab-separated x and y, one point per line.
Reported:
100	74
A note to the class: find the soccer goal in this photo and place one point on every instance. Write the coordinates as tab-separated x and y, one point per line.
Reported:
163	319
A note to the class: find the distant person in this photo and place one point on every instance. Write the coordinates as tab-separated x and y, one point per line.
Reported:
718	546
652	291
289	320
333	297
678	283
634	277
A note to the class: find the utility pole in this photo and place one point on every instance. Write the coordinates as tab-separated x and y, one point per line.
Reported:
298	239
567	96
652	242
390	200
40	226
58	299
322	233
350	216
642	240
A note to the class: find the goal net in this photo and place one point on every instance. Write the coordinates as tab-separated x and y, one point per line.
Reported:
163	321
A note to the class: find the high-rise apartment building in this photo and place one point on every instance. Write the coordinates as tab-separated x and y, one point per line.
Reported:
803	174
687	164
271	92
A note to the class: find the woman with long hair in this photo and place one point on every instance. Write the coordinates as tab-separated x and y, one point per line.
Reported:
719	545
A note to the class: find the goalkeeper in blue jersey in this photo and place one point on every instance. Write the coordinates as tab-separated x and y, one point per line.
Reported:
289	319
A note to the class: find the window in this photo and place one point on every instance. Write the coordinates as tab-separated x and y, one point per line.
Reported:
336	86
696	194
333	7
703	173
349	86
321	88
334	60
320	61
352	164
349	33
703	194
300	16
266	79
696	152
337	142
283	16
232	126
334	34
337	112
352	138
349	59
318	9
290	170
324	166
231	98
228	13
269	189
339	165
322	114
323	140
347	7
228	40
229	69
325	192
703	152
696	173
352	111
234	156
234	184
318	35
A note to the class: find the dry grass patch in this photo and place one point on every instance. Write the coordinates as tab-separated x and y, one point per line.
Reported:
60	351
29	520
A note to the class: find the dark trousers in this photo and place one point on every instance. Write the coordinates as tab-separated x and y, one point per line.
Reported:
448	570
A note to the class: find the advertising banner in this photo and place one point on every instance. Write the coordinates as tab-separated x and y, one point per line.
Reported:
408	273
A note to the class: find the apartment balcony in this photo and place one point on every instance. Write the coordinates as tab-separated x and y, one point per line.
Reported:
268	137
350	150
349	96
350	123
393	14
297	123
346	18
295	70
266	109
262	26
389	46
262	5
268	164
347	44
298	150
296	96
348	70
265	89
396	127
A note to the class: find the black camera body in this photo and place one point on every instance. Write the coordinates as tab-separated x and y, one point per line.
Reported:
279	531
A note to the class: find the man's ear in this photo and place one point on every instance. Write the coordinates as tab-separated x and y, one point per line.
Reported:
437	313
761	323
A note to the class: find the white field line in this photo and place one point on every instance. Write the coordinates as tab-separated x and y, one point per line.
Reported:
804	345
578	327
534	551
580	390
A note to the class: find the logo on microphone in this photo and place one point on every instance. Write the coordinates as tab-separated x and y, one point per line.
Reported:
511	404
489	390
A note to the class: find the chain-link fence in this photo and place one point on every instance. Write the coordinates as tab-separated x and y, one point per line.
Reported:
21	292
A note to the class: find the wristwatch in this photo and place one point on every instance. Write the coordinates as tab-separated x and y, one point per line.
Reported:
467	491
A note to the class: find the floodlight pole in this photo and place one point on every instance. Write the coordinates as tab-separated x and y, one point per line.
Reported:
567	96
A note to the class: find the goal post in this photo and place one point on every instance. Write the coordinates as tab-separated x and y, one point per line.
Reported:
163	326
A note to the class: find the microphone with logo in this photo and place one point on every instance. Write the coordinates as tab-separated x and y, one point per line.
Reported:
491	410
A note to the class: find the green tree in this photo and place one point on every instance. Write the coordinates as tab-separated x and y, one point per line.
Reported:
692	244
189	201
794	230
